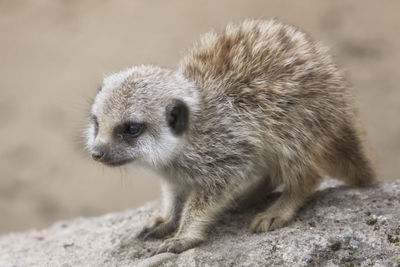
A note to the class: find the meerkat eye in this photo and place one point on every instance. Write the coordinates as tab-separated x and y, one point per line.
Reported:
133	129
95	124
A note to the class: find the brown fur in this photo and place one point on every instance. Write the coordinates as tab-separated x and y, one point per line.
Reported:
271	104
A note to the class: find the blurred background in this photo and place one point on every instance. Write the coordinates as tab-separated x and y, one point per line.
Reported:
54	54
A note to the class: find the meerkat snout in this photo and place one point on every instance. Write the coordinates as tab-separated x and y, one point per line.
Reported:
98	152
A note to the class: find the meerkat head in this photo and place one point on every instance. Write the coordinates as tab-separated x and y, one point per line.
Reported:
141	114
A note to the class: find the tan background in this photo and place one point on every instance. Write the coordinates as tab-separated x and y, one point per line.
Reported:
53	55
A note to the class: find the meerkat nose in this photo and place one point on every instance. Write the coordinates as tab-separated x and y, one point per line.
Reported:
98	152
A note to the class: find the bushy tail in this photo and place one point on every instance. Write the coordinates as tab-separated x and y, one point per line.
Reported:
351	162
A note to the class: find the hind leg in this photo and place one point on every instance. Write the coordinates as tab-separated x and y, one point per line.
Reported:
284	209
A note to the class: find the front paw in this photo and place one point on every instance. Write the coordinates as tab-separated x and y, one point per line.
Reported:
176	245
158	229
268	222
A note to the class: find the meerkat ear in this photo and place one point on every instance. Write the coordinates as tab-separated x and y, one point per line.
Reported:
177	113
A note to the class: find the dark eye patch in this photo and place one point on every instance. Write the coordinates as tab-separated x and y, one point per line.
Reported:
95	124
130	130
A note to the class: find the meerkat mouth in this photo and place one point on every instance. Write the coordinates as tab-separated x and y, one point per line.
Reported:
116	163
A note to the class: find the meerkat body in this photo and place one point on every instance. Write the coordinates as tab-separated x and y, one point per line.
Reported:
257	101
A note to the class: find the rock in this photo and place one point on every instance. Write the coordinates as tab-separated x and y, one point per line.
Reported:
338	226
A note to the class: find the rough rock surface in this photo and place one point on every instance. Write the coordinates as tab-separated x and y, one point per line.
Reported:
340	226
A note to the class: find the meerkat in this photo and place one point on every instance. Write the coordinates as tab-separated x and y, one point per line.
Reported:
257	101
